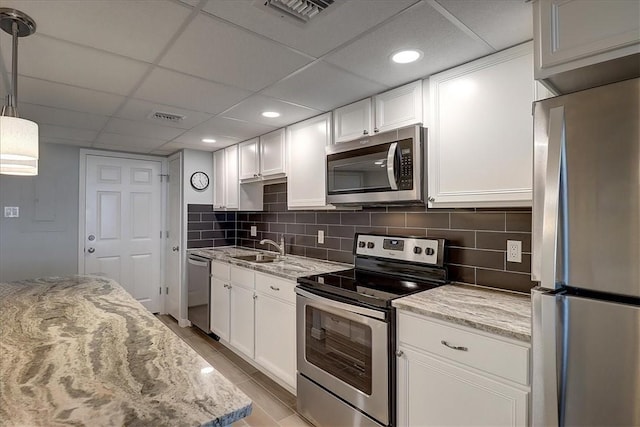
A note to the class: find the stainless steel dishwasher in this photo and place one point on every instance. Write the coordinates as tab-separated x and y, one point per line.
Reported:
198	291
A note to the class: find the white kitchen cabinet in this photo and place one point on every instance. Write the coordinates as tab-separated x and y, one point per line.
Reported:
228	193
249	159
571	34
242	319
219	179
276	327
389	110
232	183
486	384
480	146
220	304
273	154
307	173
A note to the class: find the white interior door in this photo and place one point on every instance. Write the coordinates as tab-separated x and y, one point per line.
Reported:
123	208
173	254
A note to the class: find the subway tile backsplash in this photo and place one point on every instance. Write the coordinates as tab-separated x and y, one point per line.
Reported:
476	237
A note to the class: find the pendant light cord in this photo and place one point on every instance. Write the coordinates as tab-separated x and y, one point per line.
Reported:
14	69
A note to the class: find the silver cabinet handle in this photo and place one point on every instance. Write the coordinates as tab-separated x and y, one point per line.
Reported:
255	296
175	248
91	250
376	130
274	288
431	199
365	132
399	353
454	347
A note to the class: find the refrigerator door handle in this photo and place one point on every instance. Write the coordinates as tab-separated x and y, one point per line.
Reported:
544	342
548	250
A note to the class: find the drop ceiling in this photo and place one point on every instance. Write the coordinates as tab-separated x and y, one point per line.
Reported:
95	71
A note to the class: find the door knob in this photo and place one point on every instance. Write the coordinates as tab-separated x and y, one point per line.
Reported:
175	248
91	250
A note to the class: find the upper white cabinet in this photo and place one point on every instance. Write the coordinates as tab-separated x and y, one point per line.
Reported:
219	180
398	107
228	192
231	177
264	157
571	34
307	174
480	132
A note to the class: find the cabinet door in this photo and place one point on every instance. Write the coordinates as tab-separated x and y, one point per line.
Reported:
352	121
242	319
276	337
398	107
219	181
480	150
231	177
249	159
571	34
272	153
307	174
220	308
432	392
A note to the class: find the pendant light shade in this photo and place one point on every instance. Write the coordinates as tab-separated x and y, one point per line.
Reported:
18	137
18	146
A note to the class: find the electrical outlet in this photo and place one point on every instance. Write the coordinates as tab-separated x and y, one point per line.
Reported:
11	211
321	237
254	231
514	251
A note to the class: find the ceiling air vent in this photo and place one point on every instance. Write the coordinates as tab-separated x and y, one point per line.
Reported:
166	117
302	10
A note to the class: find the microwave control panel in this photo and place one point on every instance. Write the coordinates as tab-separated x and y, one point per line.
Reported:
405	153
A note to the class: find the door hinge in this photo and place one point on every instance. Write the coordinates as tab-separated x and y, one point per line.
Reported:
166	290
160	290
162	175
166	234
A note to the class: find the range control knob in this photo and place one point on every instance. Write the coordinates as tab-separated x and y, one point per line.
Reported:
429	251
417	250
361	244
370	245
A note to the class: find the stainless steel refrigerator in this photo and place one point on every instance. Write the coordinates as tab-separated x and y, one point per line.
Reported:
586	258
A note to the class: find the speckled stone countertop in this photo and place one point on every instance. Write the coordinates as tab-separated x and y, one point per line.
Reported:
502	313
291	267
81	351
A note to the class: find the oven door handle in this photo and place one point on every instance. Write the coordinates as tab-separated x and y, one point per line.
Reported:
391	165
351	308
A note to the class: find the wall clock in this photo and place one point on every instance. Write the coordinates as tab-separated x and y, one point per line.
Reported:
199	180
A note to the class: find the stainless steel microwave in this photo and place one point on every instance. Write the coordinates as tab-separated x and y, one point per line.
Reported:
387	168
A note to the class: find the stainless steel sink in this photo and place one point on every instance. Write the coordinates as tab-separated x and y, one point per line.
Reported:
259	258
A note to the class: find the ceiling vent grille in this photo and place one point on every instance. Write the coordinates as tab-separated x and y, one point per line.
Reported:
166	117
302	10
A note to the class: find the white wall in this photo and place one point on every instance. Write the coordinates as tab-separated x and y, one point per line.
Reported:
43	241
194	161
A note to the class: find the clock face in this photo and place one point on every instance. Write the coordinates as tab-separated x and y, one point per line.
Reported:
199	180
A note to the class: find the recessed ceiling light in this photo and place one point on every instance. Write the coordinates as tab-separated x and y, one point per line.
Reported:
208	140
406	56
270	114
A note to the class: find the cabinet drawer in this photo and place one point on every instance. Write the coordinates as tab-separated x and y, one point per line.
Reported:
501	358
276	287
242	277
220	270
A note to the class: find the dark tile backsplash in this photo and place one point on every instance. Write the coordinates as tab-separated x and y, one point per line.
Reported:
476	237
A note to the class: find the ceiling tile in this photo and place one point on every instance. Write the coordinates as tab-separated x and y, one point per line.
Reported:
323	86
172	88
122	148
500	23
220	127
218	51
148	130
341	22
175	146
54	60
49	140
60	117
108	138
41	92
443	44
162	152
50	131
138	29
136	109
251	109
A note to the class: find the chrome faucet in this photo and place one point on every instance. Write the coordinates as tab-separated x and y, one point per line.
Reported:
279	246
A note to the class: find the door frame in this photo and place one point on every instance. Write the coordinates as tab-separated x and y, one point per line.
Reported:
82	204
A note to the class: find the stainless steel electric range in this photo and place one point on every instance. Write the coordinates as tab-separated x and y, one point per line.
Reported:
346	329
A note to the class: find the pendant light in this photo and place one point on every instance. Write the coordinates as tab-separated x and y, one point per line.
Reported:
18	137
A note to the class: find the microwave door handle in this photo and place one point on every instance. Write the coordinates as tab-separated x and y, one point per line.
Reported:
391	172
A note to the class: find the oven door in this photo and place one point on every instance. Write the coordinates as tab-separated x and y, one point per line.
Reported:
344	348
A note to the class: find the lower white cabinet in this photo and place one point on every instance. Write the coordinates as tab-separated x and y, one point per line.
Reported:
450	375
220	305
242	319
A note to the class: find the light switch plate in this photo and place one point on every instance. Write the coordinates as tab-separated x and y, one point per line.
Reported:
11	211
254	231
514	251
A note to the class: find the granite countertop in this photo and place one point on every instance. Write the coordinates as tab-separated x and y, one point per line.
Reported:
499	312
80	350
291	267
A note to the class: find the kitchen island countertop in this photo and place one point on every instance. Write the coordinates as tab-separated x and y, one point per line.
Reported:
500	312
80	350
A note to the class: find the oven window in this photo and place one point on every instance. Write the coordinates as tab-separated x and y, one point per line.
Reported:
339	346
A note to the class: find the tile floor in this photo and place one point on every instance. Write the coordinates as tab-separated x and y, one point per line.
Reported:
272	404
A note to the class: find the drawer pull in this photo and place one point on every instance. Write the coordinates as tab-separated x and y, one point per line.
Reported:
454	347
274	288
